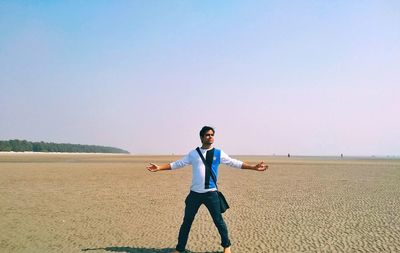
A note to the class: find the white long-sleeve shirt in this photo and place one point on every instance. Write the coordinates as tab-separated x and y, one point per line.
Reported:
201	180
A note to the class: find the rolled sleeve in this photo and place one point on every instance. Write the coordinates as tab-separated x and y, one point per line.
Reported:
227	160
180	163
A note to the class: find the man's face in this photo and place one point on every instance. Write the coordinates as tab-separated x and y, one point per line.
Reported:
208	137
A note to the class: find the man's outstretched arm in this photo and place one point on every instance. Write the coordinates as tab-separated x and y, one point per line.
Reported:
154	167
169	166
258	167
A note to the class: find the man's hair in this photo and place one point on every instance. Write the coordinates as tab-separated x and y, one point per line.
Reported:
205	129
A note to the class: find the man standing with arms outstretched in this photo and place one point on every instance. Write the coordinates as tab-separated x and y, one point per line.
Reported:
204	189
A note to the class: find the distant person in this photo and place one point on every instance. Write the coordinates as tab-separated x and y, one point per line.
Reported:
203	189
288	155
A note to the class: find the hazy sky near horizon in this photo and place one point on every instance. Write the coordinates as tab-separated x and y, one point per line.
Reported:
273	77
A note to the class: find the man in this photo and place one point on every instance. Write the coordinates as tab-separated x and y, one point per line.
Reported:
203	189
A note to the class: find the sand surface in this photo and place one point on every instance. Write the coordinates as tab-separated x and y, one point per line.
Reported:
111	203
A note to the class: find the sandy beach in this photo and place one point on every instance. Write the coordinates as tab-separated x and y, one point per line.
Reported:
111	203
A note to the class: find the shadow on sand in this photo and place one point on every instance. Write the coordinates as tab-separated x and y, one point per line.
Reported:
141	250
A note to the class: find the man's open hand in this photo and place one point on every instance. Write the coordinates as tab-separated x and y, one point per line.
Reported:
153	167
261	166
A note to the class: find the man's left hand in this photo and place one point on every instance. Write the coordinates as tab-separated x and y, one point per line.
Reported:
261	166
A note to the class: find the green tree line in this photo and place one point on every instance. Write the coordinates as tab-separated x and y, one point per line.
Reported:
23	145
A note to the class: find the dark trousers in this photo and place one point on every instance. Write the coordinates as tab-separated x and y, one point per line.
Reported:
193	202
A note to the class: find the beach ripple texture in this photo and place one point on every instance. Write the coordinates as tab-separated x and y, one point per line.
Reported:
111	203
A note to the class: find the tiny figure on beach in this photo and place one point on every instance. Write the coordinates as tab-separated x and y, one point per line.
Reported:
288	155
205	161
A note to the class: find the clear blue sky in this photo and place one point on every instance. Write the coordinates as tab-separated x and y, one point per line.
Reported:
273	77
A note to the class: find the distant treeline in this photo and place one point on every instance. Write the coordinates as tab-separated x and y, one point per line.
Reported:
23	145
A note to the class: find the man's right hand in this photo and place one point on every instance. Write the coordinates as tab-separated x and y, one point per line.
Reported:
153	167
